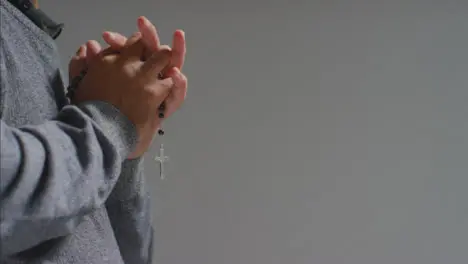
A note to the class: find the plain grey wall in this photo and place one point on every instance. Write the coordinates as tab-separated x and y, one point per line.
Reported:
328	132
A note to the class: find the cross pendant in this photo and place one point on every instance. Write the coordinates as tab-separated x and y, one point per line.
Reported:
161	159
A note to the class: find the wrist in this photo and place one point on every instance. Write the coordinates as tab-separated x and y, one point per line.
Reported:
116	126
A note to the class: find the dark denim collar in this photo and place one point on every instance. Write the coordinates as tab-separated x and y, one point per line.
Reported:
38	17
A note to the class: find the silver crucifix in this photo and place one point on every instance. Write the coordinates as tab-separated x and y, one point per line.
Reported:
161	159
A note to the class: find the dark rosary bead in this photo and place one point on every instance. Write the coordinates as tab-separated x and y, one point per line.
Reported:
70	94
71	89
161	132
162	108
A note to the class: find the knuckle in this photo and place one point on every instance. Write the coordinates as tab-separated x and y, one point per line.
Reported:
165	48
184	79
154	95
165	54
183	82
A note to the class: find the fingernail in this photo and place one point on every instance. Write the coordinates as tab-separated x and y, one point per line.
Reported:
143	21
177	71
111	34
108	36
180	32
140	21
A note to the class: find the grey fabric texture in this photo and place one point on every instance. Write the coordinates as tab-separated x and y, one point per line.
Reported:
68	194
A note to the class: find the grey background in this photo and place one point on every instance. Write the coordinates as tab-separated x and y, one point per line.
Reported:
329	132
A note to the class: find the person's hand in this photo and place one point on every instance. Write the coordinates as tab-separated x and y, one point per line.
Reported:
151	43
133	86
150	40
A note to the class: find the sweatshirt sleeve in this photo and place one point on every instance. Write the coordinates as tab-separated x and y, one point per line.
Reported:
54	173
129	209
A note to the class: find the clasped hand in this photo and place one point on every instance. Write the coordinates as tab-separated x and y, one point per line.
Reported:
127	75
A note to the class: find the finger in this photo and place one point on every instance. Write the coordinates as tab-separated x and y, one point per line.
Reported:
155	64
178	49
77	63
115	40
149	34
178	92
133	50
163	89
81	52
165	47
168	66
108	51
133	39
148	53
180	83
92	50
